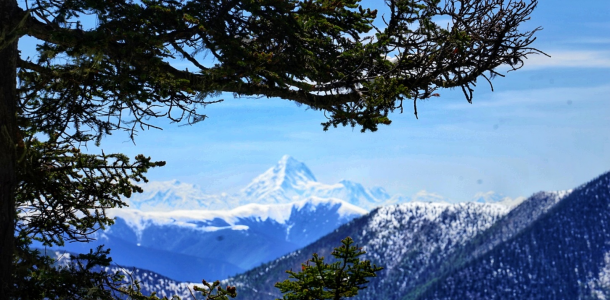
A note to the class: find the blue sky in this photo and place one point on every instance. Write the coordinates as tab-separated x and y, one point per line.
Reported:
546	127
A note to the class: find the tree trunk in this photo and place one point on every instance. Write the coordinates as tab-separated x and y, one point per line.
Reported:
8	138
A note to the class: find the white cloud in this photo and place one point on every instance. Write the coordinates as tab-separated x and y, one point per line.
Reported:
570	59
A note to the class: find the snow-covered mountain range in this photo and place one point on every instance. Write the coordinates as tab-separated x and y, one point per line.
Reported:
198	244
288	181
296	221
408	240
197	235
418	242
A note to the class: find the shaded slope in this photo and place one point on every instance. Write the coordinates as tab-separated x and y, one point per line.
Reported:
177	266
245	236
192	245
565	254
504	229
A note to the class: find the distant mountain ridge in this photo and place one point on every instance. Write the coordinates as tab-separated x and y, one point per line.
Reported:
419	242
288	181
554	245
279	212
176	195
197	244
415	242
289	216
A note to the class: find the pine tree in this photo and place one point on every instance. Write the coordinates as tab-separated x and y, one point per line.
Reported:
340	279
93	78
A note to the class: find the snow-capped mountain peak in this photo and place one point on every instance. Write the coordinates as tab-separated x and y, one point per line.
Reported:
288	178
293	171
288	181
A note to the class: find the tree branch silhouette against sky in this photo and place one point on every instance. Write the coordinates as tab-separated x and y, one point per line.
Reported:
543	128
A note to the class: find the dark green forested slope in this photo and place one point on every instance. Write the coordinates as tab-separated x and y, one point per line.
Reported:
504	229
564	254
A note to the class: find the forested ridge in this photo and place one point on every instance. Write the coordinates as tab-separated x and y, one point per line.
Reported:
552	246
